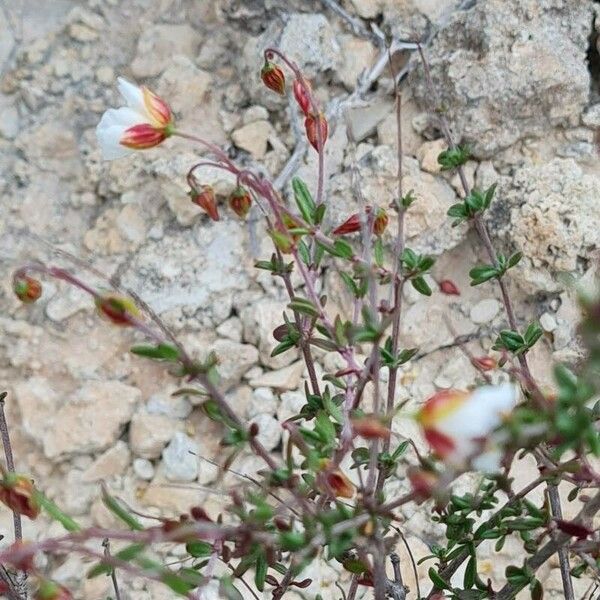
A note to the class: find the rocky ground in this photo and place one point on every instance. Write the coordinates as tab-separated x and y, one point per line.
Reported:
518	80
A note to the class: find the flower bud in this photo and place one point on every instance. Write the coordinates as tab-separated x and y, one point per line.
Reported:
143	136
49	590
205	199
240	201
449	288
312	124
371	427
380	222
302	95
27	289
19	494
119	310
423	482
484	363
336	481
199	514
273	77
350	225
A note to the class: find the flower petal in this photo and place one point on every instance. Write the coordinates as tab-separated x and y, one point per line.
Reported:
480	413
109	139
133	95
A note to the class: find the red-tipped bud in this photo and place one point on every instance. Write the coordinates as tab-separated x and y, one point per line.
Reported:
205	199
350	225
302	95
449	288
423	483
49	590
19	494
240	201
380	222
273	77
119	310
336	482
199	514
313	124
371	427
484	363
143	136
26	289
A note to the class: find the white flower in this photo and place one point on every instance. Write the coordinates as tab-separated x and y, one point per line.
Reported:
457	424
145	122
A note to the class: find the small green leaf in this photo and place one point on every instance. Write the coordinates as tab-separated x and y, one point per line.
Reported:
421	286
304	201
260	572
115	507
515	259
54	512
303	306
378	252
199	549
438	581
482	273
159	352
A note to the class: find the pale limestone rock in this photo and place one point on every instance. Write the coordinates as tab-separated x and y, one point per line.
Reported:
259	320
269	430
508	69
367	9
231	329
77	428
428	154
150	433
37	403
264	401
287	378
143	468
180	458
358	57
112	462
484	311
254	138
170	498
553	217
159	43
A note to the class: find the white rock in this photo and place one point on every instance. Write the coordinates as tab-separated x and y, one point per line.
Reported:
259	321
428	154
180	458
255	138
263	402
175	407
112	462
77	428
231	329
148	434
548	322
9	122
159	43
291	403
287	378
143	468
484	311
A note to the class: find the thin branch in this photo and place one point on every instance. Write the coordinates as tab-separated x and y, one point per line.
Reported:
563	553
21	577
113	571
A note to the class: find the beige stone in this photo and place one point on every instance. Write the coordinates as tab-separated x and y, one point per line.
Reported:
91	420
112	462
149	434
